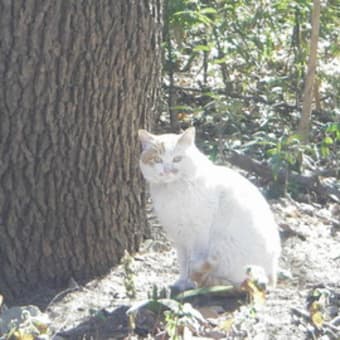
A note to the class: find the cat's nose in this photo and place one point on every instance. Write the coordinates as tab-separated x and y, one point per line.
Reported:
169	169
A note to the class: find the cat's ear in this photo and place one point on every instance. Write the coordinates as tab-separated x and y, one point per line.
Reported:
146	138
188	137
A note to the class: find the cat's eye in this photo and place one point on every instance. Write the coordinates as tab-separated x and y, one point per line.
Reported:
158	160
177	159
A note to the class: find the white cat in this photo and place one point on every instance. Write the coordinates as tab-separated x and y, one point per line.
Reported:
217	220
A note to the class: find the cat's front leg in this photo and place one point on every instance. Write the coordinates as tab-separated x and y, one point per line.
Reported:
183	282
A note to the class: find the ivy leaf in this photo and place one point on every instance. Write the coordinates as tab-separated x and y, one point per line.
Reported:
328	140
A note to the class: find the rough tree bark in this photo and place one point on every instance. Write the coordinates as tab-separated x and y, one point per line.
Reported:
77	79
304	124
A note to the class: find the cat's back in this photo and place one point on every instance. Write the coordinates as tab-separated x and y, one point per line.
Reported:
238	200
242	203
231	184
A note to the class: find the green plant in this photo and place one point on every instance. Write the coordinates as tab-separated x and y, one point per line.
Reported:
286	153
157	293
253	55
184	316
330	140
176	315
24	323
129	275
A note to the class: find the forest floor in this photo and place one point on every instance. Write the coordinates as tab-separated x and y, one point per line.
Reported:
310	235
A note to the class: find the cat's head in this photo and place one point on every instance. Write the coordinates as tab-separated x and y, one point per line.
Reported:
166	158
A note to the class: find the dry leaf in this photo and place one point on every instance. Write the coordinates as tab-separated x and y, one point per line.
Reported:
20	335
256	295
226	325
1	300
181	116
316	314
41	326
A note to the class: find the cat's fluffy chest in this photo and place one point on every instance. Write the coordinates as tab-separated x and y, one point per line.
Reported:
185	208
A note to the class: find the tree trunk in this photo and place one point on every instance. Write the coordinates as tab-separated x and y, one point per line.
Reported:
78	78
304	124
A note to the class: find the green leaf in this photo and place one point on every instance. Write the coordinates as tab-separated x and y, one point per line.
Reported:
220	60
328	140
155	306
290	158
204	291
199	48
208	10
182	108
295	138
324	151
272	152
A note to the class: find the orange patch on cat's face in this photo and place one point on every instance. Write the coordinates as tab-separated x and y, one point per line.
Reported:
149	156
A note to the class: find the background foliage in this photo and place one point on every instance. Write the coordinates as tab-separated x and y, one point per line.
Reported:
237	69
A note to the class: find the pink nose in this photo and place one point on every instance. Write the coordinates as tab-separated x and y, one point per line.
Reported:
169	169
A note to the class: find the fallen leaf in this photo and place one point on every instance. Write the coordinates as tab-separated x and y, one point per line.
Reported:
20	335
1	300
256	295
181	116
226	325
41	326
316	316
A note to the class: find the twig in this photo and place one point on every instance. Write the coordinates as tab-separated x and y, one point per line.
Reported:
254	98
311	182
62	294
335	321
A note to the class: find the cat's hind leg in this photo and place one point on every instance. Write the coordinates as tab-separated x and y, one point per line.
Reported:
202	271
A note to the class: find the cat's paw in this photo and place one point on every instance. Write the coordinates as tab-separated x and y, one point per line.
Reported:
180	286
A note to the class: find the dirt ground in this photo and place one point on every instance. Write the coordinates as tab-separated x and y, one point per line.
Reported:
311	253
